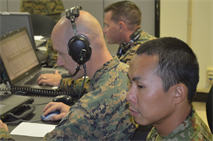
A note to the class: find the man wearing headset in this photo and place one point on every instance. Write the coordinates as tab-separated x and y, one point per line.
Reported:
102	113
122	26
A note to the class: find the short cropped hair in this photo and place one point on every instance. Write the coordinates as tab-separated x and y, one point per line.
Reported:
125	10
177	63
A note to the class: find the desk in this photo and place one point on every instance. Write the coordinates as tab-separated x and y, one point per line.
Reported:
39	103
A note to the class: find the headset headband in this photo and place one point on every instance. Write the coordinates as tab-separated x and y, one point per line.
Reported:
71	14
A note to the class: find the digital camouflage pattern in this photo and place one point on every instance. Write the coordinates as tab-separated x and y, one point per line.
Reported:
51	8
70	84
127	57
42	6
191	129
51	54
5	136
102	113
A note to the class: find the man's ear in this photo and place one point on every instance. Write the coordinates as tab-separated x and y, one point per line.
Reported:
181	93
122	26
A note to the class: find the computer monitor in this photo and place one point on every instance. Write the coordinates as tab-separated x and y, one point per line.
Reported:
11	21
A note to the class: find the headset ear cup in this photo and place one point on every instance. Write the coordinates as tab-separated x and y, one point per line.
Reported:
75	46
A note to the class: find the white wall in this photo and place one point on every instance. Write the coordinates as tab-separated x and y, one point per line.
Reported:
174	22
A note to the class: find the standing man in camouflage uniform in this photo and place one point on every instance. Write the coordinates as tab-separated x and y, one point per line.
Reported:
121	20
164	75
52	8
102	113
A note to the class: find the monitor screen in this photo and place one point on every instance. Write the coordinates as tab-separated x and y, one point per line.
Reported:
17	53
11	21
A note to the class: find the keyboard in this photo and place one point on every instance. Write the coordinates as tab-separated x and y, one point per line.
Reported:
4	96
33	81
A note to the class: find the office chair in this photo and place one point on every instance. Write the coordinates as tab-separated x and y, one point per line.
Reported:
209	110
42	24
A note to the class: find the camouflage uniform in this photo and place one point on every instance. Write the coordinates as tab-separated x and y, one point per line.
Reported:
126	58
52	8
51	54
191	129
102	113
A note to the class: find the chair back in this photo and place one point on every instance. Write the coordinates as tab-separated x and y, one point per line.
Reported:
209	109
42	24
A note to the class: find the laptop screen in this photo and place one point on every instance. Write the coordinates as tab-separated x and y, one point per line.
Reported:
17	53
11	21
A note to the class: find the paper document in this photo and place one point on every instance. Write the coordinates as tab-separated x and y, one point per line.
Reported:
32	129
38	37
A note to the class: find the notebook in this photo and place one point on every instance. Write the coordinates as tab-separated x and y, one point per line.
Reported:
11	21
21	64
9	104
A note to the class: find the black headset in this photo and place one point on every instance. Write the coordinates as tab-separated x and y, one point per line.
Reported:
124	47
78	46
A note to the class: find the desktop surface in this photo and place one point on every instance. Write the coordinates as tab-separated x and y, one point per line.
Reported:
39	103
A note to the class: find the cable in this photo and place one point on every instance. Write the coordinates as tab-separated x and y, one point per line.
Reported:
83	81
21	120
39	104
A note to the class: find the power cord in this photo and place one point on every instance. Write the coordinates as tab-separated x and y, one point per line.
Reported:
83	81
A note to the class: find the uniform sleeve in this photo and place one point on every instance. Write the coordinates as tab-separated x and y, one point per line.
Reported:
26	6
68	84
5	136
77	125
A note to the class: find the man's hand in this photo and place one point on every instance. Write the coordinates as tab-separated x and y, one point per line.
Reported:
53	106
50	79
3	125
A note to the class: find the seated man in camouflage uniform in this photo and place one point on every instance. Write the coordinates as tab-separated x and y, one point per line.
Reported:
164	75
124	14
52	8
102	113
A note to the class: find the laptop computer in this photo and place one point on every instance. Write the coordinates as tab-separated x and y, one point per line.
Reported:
10	104
20	63
11	21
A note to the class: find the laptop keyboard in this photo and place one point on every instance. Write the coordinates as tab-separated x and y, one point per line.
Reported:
3	96
33	81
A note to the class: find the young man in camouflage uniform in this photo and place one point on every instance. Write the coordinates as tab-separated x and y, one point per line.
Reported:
102	113
121	20
164	75
52	8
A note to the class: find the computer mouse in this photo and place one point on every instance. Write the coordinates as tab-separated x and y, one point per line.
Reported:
66	99
48	116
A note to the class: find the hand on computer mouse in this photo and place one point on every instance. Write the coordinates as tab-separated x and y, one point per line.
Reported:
54	106
49	116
